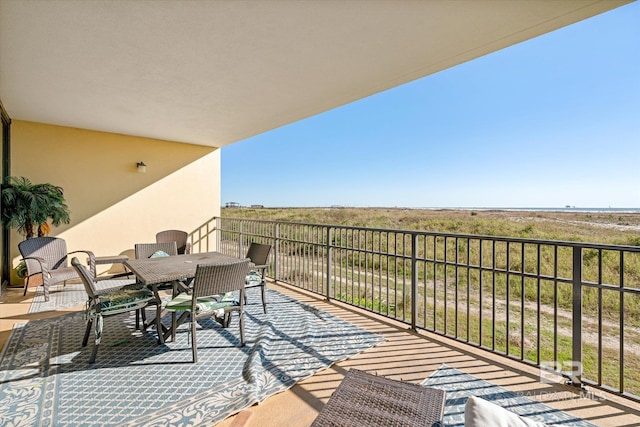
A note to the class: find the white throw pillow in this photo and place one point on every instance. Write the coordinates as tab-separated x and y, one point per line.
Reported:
482	413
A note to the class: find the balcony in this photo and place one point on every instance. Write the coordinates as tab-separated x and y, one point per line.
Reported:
371	277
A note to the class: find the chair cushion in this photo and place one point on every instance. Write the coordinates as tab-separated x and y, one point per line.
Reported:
159	254
204	305
123	300
480	413
253	279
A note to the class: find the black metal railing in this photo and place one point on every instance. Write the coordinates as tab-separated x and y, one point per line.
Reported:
545	303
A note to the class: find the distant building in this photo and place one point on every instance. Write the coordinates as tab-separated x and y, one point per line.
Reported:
232	205
257	206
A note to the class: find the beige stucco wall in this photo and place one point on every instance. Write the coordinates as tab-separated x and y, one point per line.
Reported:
112	205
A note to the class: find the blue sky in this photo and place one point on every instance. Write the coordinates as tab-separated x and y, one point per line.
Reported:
552	121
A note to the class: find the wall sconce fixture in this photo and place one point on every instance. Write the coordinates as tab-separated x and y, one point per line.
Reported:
142	168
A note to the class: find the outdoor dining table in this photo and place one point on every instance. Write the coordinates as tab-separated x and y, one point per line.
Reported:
152	272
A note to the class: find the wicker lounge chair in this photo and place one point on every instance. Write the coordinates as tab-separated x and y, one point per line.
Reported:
107	303
178	236
48	255
213	296
258	253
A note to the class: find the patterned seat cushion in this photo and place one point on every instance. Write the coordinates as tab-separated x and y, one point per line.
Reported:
253	279
159	254
123	300
204	305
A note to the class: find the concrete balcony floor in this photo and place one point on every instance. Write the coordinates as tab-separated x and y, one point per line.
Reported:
405	355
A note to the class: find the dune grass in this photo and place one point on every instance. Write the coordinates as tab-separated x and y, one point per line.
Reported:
365	271
593	227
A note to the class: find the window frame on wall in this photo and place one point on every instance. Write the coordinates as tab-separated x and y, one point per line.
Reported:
6	171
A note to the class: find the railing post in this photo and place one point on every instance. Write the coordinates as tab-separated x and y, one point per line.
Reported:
240	253
328	252
276	255
576	366
414	280
217	238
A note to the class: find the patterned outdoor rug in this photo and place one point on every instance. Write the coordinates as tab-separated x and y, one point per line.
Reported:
69	295
45	379
459	386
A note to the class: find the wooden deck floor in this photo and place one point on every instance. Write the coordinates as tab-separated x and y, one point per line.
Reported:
405	355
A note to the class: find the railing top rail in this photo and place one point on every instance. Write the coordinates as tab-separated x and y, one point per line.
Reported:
587	245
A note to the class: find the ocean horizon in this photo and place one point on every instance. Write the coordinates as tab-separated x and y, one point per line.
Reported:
547	209
460	208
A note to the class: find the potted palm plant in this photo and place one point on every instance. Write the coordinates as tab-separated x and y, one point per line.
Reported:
29	207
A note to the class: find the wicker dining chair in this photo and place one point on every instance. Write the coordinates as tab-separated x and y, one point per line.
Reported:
107	303
48	255
180	237
212	295
258	253
148	250
155	250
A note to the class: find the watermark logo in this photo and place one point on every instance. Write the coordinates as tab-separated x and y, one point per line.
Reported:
557	396
553	372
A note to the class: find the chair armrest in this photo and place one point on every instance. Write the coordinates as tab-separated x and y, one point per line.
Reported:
262	269
42	266
91	257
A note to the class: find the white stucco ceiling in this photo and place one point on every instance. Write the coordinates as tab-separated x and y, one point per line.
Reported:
216	72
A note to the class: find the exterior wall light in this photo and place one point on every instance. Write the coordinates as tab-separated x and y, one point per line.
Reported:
142	168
